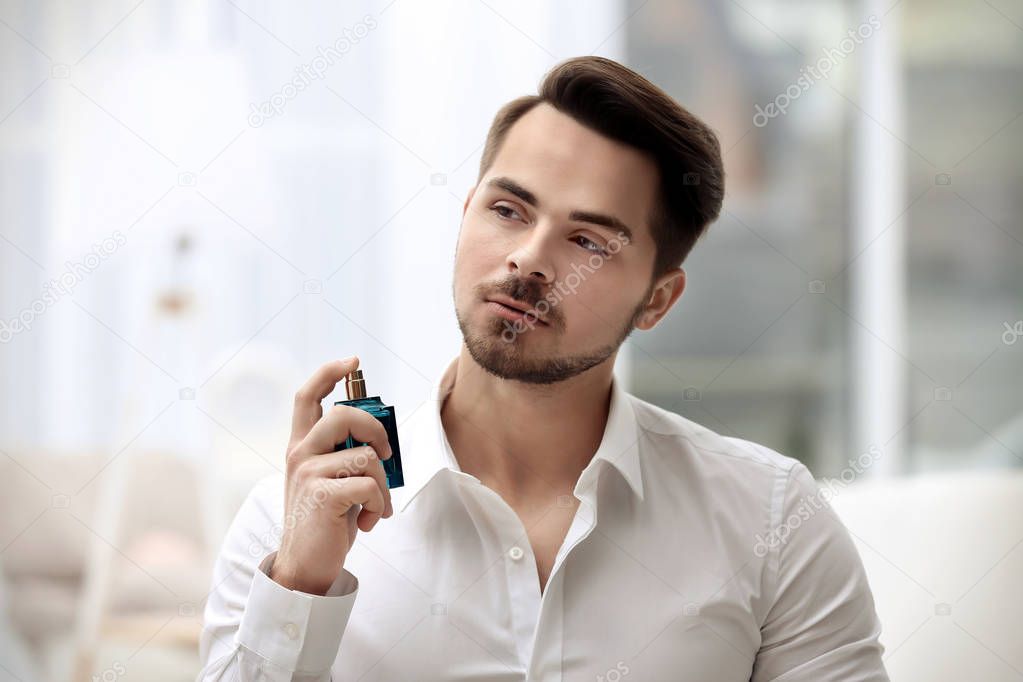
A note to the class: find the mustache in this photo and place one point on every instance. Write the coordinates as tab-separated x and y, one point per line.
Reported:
529	292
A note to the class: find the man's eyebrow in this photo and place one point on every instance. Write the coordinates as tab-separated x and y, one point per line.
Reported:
608	221
509	185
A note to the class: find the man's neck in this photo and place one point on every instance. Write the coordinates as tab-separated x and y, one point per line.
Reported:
526	441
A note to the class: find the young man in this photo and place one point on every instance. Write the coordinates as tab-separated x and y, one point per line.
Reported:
551	525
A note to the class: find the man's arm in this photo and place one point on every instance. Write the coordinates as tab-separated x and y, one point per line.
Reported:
822	624
254	628
280	616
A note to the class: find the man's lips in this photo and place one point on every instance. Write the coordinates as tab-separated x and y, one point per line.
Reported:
516	308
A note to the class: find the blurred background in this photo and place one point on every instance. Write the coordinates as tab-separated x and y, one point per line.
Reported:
202	202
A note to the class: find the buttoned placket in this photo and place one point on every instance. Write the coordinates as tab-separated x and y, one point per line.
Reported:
551	621
523	581
535	615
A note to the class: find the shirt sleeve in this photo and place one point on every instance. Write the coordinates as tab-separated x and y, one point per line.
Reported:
255	629
821	624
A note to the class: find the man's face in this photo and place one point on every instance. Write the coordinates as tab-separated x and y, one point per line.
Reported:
531	237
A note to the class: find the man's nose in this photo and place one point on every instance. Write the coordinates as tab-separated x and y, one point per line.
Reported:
531	256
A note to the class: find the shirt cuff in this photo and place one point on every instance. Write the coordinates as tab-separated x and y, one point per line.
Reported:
297	631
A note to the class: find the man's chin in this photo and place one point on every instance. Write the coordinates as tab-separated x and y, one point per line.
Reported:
519	361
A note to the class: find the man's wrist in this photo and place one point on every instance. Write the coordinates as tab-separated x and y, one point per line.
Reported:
287	577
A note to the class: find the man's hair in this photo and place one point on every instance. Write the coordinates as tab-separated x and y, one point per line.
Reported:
617	102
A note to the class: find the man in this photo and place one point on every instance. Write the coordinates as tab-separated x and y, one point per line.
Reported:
551	525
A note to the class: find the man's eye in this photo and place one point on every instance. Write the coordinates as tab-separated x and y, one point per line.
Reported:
499	211
589	244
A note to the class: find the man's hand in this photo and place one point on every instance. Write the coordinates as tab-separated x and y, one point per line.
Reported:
328	495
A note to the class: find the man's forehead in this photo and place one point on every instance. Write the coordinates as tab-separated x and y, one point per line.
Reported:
549	148
545	130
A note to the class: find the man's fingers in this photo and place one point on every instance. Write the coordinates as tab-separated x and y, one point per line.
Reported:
308	399
354	476
337	424
364	491
360	461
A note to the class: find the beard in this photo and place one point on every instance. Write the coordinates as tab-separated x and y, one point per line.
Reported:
511	358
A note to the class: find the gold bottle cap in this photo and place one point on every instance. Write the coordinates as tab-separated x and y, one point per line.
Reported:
355	385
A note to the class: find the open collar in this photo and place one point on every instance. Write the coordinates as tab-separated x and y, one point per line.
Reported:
426	451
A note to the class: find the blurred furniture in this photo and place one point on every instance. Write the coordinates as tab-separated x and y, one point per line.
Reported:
17	662
109	556
170	322
944	556
48	503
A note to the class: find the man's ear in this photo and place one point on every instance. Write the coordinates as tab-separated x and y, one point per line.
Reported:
663	295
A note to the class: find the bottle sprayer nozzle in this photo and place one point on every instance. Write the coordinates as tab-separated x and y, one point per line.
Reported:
355	385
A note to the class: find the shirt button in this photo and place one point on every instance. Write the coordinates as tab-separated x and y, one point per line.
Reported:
291	630
515	553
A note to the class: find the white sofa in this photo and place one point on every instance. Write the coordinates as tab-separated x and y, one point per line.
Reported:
46	533
944	556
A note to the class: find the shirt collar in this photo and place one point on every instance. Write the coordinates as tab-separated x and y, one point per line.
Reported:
426	450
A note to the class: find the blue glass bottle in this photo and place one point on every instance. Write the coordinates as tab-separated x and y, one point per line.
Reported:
355	388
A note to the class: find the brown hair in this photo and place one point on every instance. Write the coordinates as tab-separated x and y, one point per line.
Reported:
624	106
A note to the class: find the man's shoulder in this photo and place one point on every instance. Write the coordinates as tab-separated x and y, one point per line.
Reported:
684	441
684	460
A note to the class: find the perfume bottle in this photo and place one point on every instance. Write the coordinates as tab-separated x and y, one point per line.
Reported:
355	387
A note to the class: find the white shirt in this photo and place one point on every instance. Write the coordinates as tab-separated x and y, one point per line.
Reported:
669	571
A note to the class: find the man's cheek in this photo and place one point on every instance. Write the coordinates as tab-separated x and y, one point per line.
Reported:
482	246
